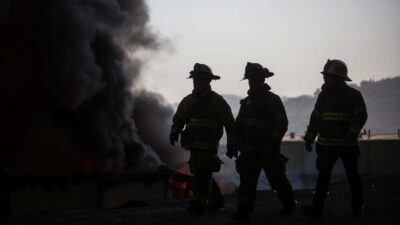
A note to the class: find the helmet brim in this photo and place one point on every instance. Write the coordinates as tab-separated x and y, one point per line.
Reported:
212	76
346	78
268	75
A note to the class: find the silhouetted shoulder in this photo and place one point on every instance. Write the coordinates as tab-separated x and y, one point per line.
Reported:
183	104
220	102
187	98
217	96
353	91
274	97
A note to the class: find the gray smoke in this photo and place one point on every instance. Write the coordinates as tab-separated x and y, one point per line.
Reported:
67	68
153	120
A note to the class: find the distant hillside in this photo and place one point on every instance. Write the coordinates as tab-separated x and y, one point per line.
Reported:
381	98
298	110
383	104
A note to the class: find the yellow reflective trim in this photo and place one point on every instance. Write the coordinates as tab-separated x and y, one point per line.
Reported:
254	123
335	141
203	123
336	116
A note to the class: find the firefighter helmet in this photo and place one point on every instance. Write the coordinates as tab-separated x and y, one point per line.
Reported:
337	68
203	71
255	69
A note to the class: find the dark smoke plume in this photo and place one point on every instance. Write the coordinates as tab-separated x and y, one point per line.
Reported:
66	69
153	120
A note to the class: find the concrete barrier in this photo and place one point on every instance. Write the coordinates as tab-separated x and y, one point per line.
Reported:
376	157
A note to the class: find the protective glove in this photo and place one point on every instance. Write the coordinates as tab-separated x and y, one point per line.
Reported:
309	146
173	137
232	151
284	158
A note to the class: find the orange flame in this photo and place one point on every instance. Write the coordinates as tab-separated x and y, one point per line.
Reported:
181	189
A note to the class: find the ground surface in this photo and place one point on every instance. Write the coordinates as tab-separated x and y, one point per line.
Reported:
382	196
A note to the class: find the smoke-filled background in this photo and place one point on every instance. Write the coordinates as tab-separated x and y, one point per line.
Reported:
68	69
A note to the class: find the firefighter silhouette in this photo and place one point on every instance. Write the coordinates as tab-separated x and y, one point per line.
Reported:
259	129
199	120
337	119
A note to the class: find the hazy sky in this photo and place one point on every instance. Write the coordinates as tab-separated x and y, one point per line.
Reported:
292	38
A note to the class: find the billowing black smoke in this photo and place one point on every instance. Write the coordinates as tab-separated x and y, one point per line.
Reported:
67	68
153	120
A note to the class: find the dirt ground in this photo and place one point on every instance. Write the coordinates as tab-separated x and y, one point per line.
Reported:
382	197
